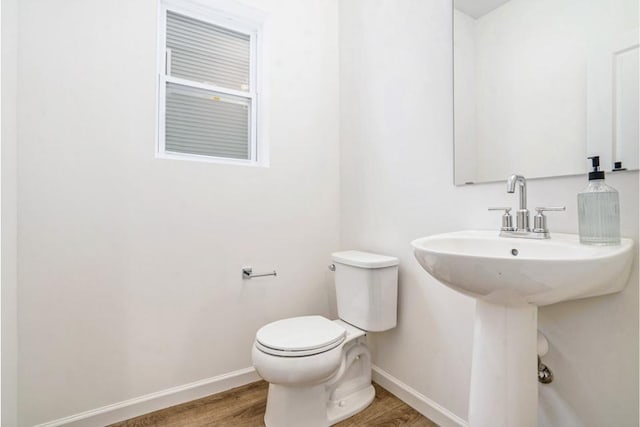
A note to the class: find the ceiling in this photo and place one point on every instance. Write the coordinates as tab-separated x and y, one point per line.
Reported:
477	8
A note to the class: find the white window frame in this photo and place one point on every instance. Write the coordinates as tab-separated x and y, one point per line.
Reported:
236	17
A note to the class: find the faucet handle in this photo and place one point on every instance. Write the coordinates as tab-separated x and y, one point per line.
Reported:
540	221
554	208
507	220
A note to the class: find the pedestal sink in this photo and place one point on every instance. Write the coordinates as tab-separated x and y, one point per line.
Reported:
510	278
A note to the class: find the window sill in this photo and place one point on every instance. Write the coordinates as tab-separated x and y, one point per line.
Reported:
209	159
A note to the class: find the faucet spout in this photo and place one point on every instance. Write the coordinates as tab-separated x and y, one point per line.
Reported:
522	215
522	183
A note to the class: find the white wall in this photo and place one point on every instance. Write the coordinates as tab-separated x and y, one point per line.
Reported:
130	266
8	214
396	173
397	185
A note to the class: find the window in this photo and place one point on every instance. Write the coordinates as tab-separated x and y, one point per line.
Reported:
209	101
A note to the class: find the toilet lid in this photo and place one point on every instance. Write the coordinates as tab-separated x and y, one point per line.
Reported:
304	335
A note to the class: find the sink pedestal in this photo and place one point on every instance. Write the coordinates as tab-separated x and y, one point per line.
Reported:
504	384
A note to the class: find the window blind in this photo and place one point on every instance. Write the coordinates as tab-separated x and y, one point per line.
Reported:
206	53
206	123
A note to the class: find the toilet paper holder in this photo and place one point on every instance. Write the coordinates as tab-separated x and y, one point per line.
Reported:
247	273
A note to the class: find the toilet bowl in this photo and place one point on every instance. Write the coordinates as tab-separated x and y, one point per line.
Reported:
319	370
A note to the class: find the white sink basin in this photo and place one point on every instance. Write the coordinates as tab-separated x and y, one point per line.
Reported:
510	278
510	270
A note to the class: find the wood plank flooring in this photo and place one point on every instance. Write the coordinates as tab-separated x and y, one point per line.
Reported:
244	407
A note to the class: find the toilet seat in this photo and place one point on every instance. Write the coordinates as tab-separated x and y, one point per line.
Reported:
299	336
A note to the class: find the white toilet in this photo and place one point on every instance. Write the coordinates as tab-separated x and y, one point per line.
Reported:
319	371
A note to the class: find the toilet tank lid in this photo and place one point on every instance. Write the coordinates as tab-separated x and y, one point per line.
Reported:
364	259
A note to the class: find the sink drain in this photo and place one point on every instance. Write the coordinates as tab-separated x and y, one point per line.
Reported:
514	252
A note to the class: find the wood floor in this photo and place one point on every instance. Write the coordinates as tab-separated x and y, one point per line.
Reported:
244	407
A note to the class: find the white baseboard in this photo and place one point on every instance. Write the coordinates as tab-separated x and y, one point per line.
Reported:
427	407
176	395
159	400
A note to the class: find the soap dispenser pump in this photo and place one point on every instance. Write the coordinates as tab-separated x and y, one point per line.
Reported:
598	210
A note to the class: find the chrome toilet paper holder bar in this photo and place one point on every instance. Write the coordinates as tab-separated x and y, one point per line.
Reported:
247	273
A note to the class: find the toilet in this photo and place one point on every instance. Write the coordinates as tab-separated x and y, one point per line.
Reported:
319	370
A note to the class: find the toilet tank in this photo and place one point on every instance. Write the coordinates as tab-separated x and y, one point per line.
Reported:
366	289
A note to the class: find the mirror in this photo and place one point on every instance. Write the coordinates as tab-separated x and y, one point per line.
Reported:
539	85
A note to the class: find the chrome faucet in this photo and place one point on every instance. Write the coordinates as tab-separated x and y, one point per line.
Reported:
522	215
522	228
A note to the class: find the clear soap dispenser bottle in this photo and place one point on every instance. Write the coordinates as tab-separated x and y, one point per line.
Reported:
598	210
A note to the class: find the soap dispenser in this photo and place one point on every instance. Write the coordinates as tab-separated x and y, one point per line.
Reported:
598	210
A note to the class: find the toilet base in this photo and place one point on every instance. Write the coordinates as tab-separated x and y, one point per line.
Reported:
295	406
350	405
307	406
